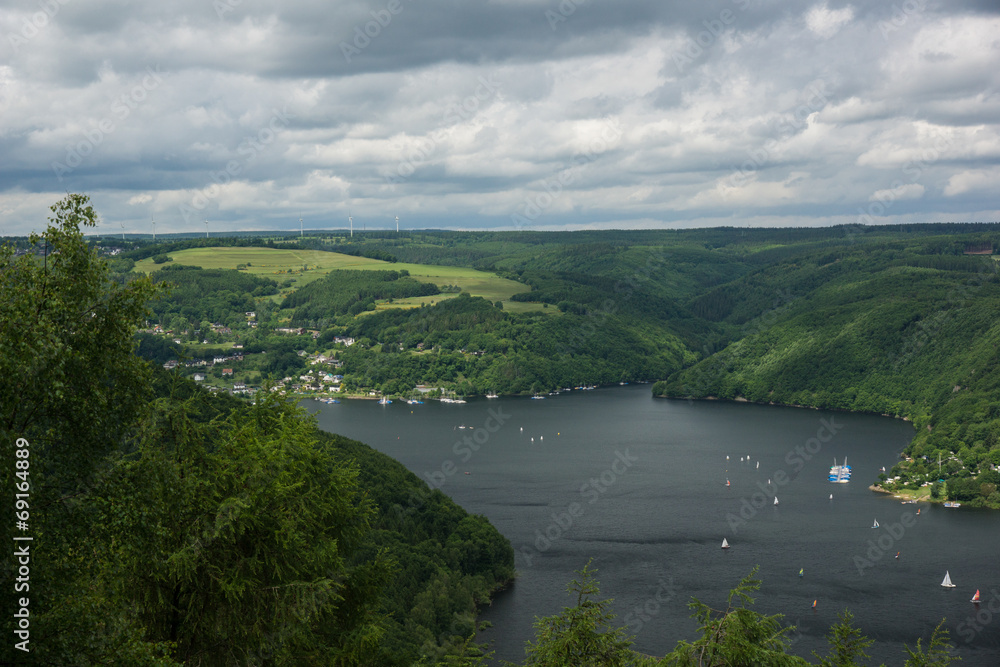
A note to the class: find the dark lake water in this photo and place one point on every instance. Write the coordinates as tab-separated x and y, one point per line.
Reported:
639	485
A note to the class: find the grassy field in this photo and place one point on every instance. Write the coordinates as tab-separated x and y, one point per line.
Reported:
302	267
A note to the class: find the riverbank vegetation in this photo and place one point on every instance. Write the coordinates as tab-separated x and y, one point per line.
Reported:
585	635
168	525
895	320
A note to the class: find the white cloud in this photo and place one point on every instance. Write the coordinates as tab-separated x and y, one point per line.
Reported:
973	181
826	22
919	107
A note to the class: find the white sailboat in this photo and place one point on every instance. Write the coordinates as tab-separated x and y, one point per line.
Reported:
776	500
947	580
875	525
725	545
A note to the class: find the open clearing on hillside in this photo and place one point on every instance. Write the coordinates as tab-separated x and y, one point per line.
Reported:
301	267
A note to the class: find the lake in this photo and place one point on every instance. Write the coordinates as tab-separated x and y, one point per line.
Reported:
638	485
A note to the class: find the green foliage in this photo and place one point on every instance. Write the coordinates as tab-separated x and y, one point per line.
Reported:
938	654
73	389
162	258
215	295
580	636
344	292
235	539
735	636
847	644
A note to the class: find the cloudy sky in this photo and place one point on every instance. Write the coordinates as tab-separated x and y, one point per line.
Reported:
500	114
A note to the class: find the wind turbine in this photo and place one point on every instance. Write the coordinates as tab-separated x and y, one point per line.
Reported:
123	230
397	224
152	221
351	218
300	227
206	229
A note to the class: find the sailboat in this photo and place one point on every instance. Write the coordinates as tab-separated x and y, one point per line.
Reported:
800	571
776	500
875	525
975	598
727	482
725	545
947	580
831	496
814	603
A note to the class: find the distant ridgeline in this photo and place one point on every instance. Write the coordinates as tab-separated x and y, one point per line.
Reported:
896	320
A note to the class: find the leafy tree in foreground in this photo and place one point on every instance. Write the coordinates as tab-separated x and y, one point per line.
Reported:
70	386
581	636
847	644
234	541
938	651
736	636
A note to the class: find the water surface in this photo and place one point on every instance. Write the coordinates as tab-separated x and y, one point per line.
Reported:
638	485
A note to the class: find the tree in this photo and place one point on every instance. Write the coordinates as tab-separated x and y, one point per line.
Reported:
235	540
72	387
938	651
581	636
736	636
847	644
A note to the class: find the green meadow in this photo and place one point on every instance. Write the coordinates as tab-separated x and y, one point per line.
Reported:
301	267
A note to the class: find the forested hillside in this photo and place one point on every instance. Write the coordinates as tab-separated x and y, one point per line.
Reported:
892	320
344	292
903	328
167	525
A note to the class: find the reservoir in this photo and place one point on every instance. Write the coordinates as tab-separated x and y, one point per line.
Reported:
638	486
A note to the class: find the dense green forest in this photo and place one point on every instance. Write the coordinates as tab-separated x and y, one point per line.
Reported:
174	526
344	292
208	295
893	320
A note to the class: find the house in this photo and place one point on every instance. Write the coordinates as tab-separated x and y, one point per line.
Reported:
227	371
239	387
199	377
251	314
170	364
218	360
237	346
